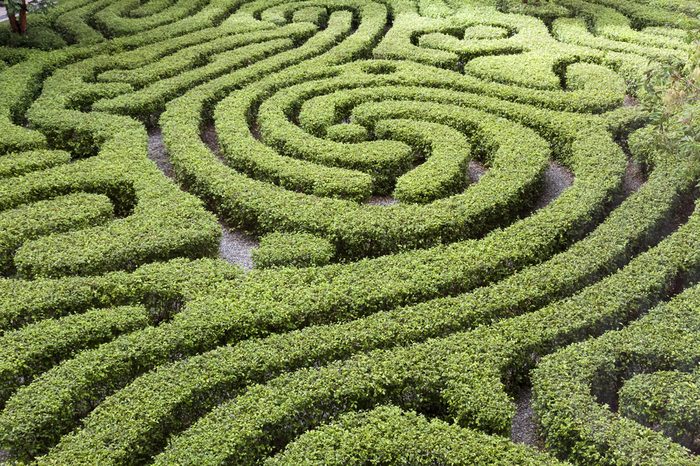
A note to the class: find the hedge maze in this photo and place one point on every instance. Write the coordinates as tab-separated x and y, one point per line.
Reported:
467	236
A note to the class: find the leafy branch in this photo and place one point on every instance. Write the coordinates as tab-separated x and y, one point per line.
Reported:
672	98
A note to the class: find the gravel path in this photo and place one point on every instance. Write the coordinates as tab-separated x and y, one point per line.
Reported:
634	178
236	247
685	207
524	426
630	101
382	200
476	170
556	179
158	153
210	138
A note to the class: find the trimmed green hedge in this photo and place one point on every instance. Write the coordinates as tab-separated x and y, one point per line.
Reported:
19	163
666	401
231	368
347	133
462	376
118	382
569	384
152	99
113	22
444	173
438	47
160	285
75	23
312	14
292	249
159	221
152	63
28	222
355	231
33	349
388	435
149	7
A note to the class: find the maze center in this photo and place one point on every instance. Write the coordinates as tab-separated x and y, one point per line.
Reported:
346	232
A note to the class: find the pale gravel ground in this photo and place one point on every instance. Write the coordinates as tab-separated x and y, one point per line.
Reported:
382	200
556	179
158	153
634	178
476	170
685	207
524	425
211	139
235	247
634	175
630	101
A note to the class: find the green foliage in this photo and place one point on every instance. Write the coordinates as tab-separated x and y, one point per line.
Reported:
19	163
347	133
388	435
159	285
292	249
429	376
36	348
121	421
672	97
666	401
58	215
121	343
568	385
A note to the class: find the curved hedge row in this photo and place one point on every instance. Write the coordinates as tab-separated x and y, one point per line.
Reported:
292	249
282	210
568	385
160	222
388	435
35	348
601	92
226	369
28	222
19	163
519	166
160	285
432	374
666	401
525	214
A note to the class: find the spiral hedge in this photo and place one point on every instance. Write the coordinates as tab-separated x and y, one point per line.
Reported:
467	235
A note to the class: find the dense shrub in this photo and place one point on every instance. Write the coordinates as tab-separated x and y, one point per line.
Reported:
455	200
292	249
389	435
